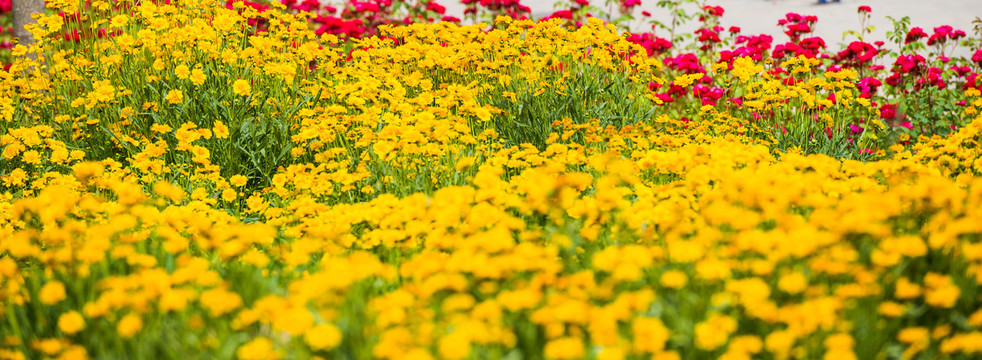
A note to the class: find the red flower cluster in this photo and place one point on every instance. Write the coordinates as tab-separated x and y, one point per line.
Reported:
712	11
906	65
796	25
865	9
755	48
708	95
353	28
857	54
512	8
868	86
687	63
933	78
809	48
306	5
944	33
977	57
708	37
915	34
651	43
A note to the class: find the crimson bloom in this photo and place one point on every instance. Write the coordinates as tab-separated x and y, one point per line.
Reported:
915	34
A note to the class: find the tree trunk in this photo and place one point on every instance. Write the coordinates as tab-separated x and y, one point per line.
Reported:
23	9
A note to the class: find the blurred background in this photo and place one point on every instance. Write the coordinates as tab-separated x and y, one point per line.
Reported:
761	16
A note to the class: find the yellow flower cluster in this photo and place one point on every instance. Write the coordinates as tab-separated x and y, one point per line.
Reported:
188	188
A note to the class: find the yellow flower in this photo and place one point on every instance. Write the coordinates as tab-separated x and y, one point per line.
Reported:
119	21
714	332
52	293
792	283
943	297
169	191
913	335
182	71
15	178
219	301
454	346
198	77
565	348
175	97
228	195
650	335
674	279
31	157
907	290
238	180
174	300
221	131
129	326
779	343
323	337
241	87
891	309
257	349
71	322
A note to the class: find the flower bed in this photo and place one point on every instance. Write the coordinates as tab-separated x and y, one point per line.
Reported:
212	181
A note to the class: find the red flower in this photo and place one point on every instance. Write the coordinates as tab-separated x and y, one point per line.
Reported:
977	57
713	10
888	111
437	8
914	35
865	9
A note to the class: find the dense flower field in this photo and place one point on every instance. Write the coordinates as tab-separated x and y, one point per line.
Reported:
194	179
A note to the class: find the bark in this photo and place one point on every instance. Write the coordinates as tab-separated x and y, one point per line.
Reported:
23	9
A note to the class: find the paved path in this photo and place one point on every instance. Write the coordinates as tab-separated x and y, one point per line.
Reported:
761	16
